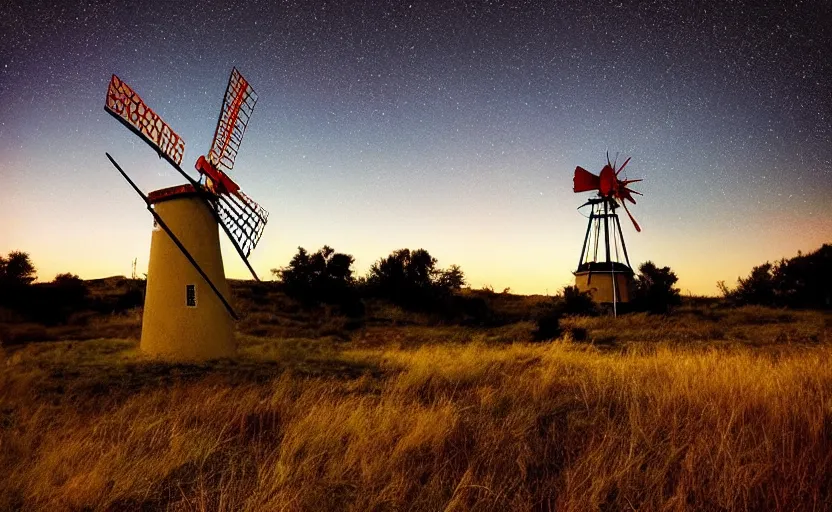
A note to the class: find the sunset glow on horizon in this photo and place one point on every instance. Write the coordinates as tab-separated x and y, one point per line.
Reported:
455	129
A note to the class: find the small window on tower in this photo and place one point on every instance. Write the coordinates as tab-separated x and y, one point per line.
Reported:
190	295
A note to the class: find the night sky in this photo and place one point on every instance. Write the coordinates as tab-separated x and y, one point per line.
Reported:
450	126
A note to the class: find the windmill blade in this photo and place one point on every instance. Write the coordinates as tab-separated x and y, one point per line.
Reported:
622	165
243	221
638	228
237	106
633	191
625	194
126	106
584	181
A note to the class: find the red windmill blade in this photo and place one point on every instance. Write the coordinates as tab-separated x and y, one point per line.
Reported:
622	167
638	228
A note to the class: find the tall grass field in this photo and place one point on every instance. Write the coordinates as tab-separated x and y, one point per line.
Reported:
707	409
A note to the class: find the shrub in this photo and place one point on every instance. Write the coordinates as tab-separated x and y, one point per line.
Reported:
654	291
576	302
53	303
571	302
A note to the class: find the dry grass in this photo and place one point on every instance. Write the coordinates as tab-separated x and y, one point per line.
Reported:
751	326
432	418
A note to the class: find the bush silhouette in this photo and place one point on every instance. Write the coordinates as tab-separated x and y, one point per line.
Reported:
54	302
16	269
654	291
411	279
16	274
451	279
758	287
322	277
576	302
804	281
571	301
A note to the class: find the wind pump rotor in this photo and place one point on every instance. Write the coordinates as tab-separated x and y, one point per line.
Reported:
608	185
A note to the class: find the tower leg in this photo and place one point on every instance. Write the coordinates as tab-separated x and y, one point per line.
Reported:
586	237
607	230
623	244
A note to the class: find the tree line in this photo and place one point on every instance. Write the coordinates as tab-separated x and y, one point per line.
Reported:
804	281
408	278
56	301
412	279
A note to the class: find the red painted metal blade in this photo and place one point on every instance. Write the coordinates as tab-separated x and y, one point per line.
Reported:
625	194
622	166
585	181
638	228
631	191
624	183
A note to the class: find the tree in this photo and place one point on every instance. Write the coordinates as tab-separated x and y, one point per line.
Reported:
759	287
16	270
71	287
411	278
402	276
16	276
67	279
324	276
454	278
654	291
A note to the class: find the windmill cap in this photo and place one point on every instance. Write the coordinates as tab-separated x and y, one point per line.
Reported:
166	194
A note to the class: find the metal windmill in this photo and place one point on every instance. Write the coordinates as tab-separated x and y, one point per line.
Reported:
607	276
179	322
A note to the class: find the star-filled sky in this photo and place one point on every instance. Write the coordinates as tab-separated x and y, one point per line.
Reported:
450	126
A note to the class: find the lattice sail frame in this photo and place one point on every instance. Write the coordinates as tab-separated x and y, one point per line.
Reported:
243	218
123	103
237	106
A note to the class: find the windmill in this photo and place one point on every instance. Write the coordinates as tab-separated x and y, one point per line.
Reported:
187	312
601	270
